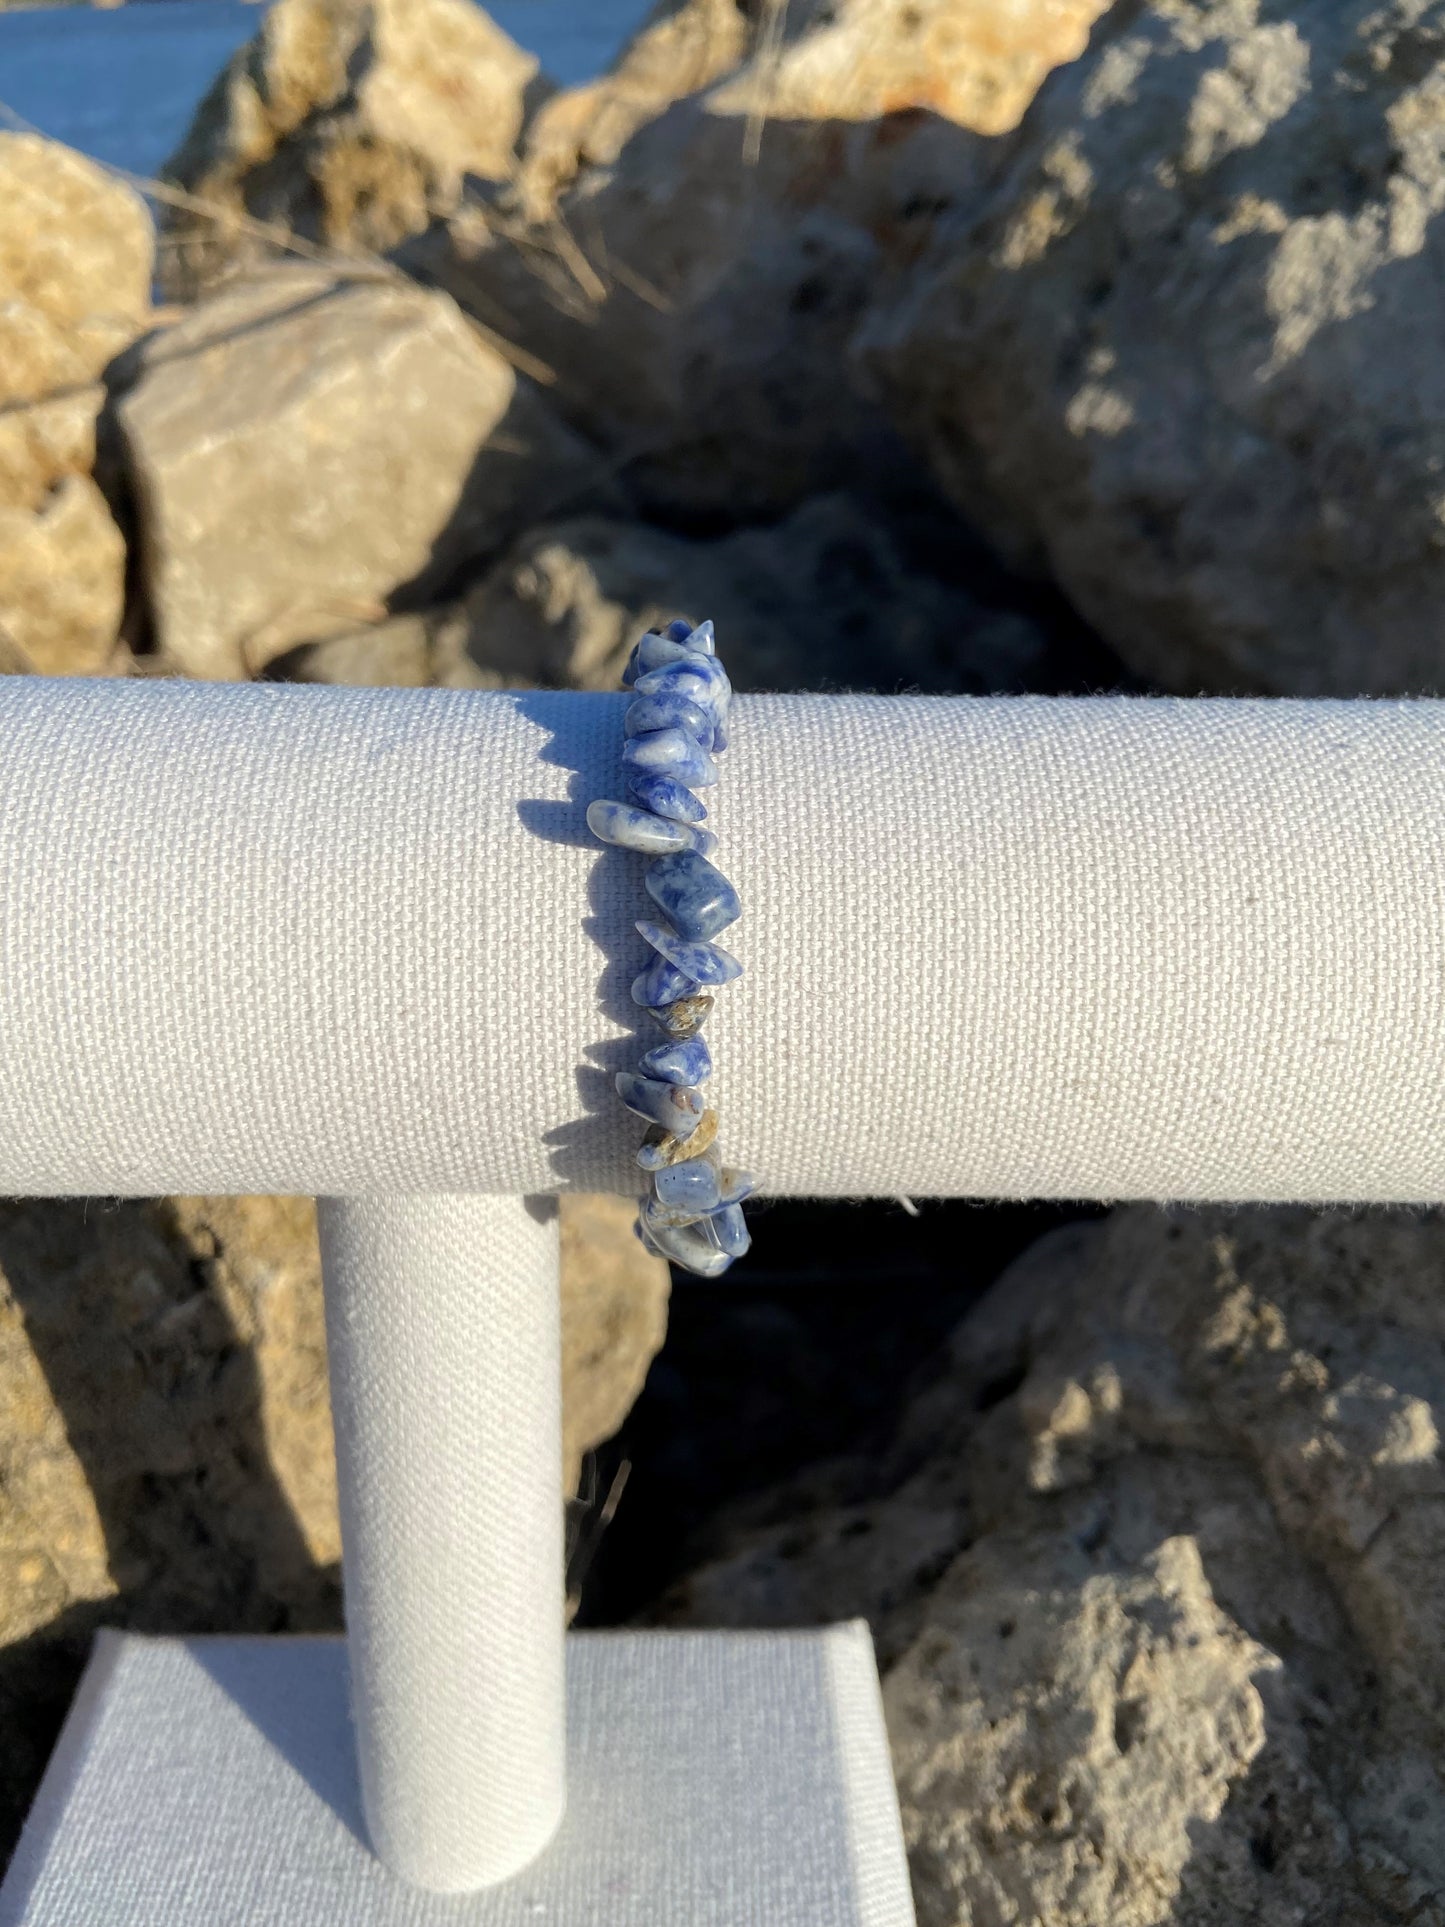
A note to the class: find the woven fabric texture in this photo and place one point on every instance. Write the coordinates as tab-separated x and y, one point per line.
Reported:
209	1783
443	1339
269	938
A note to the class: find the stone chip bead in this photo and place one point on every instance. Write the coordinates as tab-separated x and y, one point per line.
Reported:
662	1147
687	1062
671	753
662	986
674	1106
704	963
702	679
685	1017
691	1185
730	1229
693	894
630	827
666	645
693	1246
651	713
664	796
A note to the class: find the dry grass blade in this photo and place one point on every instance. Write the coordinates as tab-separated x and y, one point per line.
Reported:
770	48
589	1537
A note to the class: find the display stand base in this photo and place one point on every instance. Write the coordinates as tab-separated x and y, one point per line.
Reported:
714	1780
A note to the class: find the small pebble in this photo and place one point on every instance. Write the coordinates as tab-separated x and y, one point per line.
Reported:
671	753
671	1105
687	1062
691	1185
693	894
661	1148
685	1017
664	797
704	963
650	713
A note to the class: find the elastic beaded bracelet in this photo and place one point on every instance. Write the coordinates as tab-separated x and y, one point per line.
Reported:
691	1212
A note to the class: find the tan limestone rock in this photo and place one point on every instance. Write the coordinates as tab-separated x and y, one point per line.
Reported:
76	256
348	122
301	447
42	442
1184	1664
1181	356
691	241
62	580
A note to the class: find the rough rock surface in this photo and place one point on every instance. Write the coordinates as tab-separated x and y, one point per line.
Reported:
76	253
62	580
1152	1570
1184	354
347	122
696	293
302	447
165	1455
682	47
822	599
165	1429
972	61
425	650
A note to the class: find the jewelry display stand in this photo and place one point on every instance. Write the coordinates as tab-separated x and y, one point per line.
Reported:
358	944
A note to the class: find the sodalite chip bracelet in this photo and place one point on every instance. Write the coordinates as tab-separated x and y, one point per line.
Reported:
692	1210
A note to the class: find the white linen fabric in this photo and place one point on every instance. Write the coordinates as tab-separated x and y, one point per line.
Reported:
716	1781
289	939
444	1346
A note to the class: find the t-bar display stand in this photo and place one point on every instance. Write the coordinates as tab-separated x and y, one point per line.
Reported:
359	944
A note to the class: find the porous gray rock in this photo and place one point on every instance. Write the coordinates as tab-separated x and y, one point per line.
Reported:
1061	1735
1149	1567
301	447
349	123
824	598
1182	356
